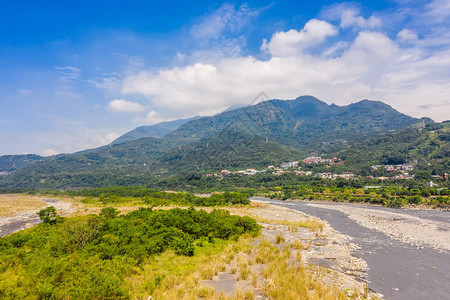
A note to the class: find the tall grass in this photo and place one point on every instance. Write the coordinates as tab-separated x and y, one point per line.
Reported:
285	280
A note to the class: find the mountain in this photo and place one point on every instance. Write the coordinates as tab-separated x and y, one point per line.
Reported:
9	163
304	123
269	132
428	146
231	149
156	131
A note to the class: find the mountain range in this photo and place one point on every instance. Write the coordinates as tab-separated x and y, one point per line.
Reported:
269	132
156	131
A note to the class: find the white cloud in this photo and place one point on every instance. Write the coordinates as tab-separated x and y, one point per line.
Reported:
49	152
67	81
219	34
335	49
154	117
66	140
292	42
438	10
226	18
407	35
110	84
371	66
350	16
108	138
122	105
68	73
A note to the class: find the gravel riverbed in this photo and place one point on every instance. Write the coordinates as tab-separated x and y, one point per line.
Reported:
27	219
408	229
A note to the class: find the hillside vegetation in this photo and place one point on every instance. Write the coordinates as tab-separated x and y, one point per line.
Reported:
9	163
269	133
429	147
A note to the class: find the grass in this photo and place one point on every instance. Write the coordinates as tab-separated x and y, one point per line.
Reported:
255	210
311	224
297	245
279	239
179	277
170	276
290	281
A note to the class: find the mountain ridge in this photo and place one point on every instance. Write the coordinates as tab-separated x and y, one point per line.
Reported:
158	130
266	132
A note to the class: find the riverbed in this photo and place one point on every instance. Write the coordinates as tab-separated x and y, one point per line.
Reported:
398	267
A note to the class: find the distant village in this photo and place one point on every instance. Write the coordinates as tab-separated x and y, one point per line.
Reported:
401	171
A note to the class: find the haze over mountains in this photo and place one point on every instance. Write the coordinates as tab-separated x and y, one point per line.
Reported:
269	132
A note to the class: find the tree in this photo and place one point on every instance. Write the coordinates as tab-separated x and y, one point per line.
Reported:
83	230
109	212
48	215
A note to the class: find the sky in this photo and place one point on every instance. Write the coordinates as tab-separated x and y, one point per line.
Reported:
77	74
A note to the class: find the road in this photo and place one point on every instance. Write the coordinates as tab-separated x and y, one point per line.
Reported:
398	270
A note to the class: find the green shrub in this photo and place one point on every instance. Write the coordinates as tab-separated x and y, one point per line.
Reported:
88	257
109	213
48	215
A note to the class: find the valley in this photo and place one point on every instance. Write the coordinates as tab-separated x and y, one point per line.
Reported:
282	199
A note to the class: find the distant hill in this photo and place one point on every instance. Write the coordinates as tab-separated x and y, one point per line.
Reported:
9	163
255	136
428	146
156	131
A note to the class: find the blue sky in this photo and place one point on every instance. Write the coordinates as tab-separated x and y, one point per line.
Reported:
77	74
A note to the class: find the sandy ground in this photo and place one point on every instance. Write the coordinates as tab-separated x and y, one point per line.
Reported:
407	229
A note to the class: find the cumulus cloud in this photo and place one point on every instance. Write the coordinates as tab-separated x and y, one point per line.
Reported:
407	35
122	105
292	42
371	66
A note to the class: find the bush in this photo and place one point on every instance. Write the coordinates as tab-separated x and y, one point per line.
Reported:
109	213
88	257
48	215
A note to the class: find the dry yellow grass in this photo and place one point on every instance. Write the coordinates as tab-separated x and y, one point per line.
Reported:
11	205
290	281
257	209
14	204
